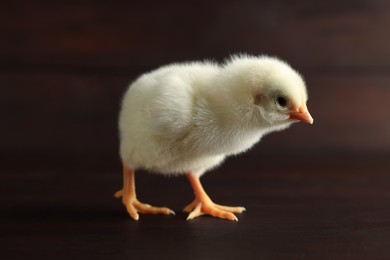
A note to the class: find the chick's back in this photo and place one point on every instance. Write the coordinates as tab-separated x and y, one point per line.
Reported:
157	115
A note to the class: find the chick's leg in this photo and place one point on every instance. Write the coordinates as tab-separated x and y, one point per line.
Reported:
129	198
204	205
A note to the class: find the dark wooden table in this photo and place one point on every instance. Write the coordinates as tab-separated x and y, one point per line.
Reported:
326	209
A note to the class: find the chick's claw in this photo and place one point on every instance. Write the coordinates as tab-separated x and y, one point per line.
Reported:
231	209
134	206
190	207
144	208
198	208
118	194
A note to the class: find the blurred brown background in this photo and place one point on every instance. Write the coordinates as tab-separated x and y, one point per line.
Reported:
64	66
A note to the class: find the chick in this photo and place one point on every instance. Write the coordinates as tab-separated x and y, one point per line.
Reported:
187	118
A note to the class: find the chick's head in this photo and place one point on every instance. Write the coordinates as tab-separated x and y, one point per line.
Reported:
275	93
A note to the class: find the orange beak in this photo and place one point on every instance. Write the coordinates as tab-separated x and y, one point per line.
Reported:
302	114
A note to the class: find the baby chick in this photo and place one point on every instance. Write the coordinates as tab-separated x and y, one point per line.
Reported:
187	118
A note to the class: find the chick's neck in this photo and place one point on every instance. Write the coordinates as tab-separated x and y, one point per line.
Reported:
225	120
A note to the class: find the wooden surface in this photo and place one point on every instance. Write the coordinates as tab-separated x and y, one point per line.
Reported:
311	192
326	210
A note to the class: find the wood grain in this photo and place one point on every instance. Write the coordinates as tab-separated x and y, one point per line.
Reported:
111	38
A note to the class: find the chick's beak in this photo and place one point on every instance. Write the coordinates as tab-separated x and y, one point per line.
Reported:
302	114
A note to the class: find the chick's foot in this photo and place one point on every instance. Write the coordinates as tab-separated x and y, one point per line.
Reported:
129	197
133	206
204	205
198	208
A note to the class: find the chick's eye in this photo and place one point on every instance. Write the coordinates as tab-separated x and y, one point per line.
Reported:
282	101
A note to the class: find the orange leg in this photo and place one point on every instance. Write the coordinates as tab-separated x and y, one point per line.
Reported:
204	205
129	198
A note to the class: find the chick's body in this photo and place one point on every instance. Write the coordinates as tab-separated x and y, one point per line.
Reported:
172	121
186	118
